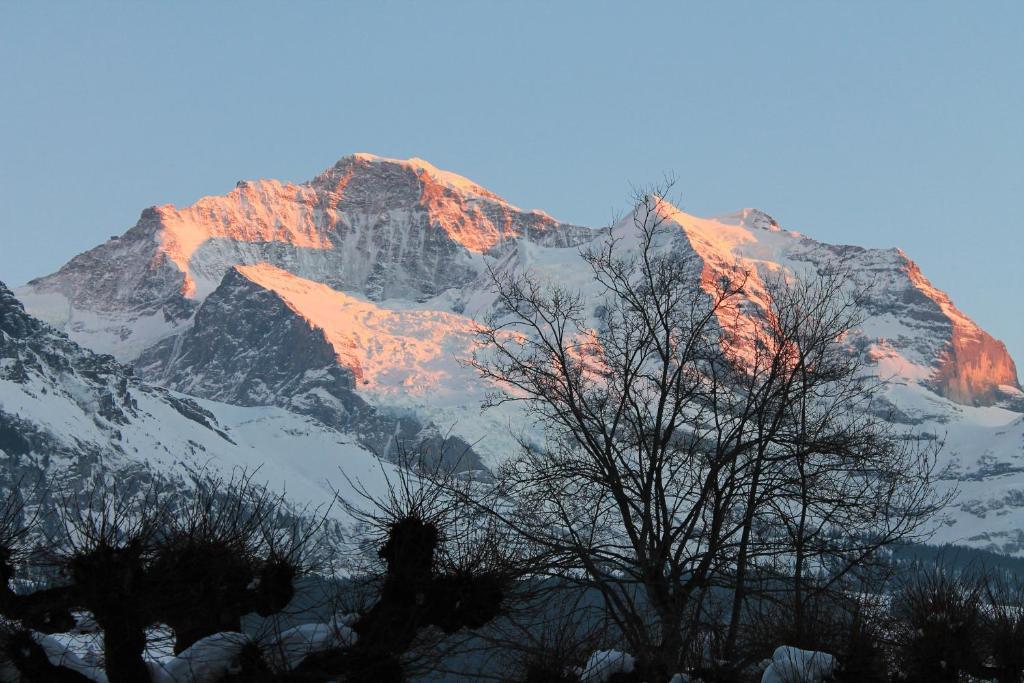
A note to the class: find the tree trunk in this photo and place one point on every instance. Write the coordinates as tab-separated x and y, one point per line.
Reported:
739	593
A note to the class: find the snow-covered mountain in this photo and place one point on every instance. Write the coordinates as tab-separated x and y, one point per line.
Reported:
385	229
351	300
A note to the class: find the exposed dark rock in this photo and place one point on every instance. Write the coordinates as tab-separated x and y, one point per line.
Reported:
249	348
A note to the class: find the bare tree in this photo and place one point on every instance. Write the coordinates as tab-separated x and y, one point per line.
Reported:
693	427
226	551
831	481
107	543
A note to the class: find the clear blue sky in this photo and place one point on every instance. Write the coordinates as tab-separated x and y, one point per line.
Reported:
873	123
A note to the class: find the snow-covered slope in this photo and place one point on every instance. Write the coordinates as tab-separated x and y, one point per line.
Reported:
73	418
352	299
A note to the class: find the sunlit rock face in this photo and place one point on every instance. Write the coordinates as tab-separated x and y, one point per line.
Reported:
251	344
911	330
972	367
383	228
352	300
975	368
244	345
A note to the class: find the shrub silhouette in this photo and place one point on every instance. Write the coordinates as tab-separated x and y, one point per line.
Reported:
941	617
413	596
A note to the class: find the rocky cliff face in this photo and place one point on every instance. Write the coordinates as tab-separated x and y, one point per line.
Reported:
972	367
245	346
911	329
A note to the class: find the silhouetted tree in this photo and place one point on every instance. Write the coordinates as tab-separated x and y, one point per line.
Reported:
443	568
197	563
694	427
221	555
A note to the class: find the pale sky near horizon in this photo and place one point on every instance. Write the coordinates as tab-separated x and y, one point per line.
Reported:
872	123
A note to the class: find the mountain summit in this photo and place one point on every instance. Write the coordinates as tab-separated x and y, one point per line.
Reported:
381	227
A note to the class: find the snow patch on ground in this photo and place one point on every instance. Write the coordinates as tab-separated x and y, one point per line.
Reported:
792	665
604	664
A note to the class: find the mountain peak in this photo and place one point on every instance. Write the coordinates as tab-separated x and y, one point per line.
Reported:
387	228
747	218
423	169
350	300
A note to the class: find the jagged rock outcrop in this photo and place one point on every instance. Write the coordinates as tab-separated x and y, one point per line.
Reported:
247	347
912	329
31	351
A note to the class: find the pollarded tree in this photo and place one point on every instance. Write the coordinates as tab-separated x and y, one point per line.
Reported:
440	568
682	419
196	562
226	551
